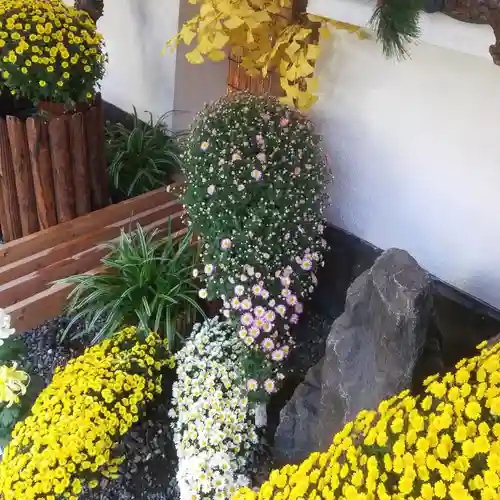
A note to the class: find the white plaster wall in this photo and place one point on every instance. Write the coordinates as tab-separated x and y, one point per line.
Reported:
197	84
139	75
415	150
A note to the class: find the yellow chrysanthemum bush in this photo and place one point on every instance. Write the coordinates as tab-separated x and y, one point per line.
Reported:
444	444
70	437
266	34
49	51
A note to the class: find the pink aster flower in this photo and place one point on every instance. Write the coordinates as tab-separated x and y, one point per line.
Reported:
226	244
252	384
269	386
247	319
270	316
291	300
254	332
306	265
259	311
277	355
246	304
284	122
267	344
281	309
259	323
256	174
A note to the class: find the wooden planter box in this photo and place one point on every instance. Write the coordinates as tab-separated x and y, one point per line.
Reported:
51	170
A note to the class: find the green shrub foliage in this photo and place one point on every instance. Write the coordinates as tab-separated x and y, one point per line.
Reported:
256	176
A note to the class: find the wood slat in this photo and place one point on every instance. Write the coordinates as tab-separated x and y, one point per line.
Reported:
100	234
10	217
93	158
47	304
24	179
79	160
38	308
102	171
29	245
41	167
36	282
61	167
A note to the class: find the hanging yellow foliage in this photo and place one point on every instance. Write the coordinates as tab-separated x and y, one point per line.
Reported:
263	34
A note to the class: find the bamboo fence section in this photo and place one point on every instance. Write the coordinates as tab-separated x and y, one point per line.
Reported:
30	265
51	170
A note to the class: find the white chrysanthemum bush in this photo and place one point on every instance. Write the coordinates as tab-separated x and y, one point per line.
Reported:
214	429
256	177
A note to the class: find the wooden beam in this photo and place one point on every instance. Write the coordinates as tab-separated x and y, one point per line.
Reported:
31	284
95	236
32	244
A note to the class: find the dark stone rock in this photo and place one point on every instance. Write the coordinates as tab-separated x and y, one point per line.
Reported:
370	355
432	6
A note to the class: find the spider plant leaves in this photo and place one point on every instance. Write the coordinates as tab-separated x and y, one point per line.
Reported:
143	158
148	282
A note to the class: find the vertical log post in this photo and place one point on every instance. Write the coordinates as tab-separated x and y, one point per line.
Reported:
24	178
41	166
61	168
103	164
10	217
94	157
79	159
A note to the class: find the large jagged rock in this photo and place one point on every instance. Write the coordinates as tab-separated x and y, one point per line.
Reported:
370	355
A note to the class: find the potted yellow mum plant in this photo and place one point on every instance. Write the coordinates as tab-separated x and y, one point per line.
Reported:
50	53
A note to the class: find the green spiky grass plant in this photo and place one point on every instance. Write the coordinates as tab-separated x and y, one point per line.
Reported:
143	157
148	282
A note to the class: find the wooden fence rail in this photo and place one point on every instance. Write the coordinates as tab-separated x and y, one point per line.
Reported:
30	265
51	170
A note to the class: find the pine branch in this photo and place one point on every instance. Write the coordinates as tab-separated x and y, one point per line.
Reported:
396	24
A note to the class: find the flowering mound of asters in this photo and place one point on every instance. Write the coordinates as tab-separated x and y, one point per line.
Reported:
255	194
70	437
444	444
214	428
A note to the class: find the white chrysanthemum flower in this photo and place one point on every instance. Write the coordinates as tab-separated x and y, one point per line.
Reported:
5	329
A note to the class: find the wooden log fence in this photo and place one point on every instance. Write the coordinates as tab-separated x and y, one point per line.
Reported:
30	265
52	170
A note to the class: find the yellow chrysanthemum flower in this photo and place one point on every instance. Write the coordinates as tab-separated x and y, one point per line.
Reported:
443	444
73	428
13	382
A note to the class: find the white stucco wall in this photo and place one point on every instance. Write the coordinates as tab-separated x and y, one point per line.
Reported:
415	149
139	75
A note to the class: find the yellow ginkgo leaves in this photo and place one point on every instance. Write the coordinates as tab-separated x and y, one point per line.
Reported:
262	33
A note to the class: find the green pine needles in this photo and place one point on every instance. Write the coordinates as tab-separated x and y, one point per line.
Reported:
396	24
